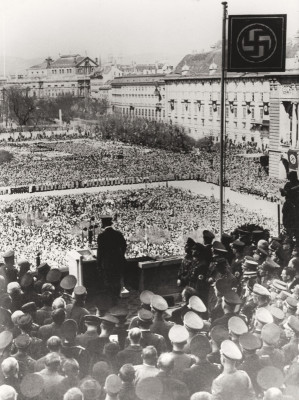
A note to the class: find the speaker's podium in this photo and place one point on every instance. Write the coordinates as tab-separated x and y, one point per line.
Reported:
156	274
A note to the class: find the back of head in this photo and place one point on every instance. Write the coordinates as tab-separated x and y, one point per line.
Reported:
47	298
273	394
54	343
166	362
201	396
52	361
127	373
149	355
188	292
73	394
100	371
71	367
135	335
58	303
10	367
7	393
91	389
58	316
111	349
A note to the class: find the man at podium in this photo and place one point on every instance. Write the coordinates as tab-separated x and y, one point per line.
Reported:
111	257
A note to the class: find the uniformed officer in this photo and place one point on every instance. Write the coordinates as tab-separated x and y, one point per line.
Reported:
146	300
217	334
184	270
42	271
232	384
148	338
76	310
251	362
290	350
68	284
26	363
230	305
8	269
121	328
236	328
159	325
270	377
92	323
262	317
194	324
54	277
178	335
269	355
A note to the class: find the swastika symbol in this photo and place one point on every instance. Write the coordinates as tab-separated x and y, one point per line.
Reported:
256	43
292	159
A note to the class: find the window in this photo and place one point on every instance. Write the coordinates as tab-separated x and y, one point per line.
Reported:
252	113
244	112
226	112
235	112
202	110
218	111
211	112
261	113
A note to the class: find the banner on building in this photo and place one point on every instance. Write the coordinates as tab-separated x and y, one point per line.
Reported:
256	43
293	160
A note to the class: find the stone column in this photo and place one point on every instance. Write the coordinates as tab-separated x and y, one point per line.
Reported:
294	125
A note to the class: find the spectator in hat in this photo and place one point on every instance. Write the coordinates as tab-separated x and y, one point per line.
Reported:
232	384
26	363
30	308
201	375
45	311
178	314
291	350
132	353
51	376
54	345
68	284
269	355
148	338
25	324
127	376
53	329
77	310
111	257
184	270
10	372
70	370
251	362
178	336
148	367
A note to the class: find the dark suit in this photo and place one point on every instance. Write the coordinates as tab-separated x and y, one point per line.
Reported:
200	376
111	258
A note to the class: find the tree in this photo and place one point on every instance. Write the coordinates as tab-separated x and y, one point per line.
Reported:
21	105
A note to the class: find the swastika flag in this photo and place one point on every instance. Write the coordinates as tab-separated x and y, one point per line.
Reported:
256	43
293	160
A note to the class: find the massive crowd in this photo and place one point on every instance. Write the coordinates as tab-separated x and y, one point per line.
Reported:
87	159
235	335
154	221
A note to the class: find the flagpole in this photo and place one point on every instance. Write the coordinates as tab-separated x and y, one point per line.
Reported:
222	115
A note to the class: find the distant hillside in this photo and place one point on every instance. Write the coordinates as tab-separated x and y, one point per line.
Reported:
17	65
199	63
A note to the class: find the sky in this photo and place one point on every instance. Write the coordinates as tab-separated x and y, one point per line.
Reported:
39	28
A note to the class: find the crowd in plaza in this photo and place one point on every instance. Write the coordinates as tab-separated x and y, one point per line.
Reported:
234	336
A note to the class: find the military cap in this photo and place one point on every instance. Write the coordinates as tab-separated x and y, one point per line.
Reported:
80	291
291	303
237	326
250	342
263	316
250	264
190	241
48	287
208	234
196	304
69	327
243	232
29	307
230	350
295	291
15	315
226	238
106	217
219	333
32	385
145	315
260	290
22	262
146	297
283	295
274	245
92	319
238	244
23	341
249	274
110	318
277	313
8	254
223	285
200	346
292	323
270	333
150	388
12	286
54	275
257	233
232	298
119	311
269	263
113	384
178	334
6	338
68	282
43	267
218	246
193	321
90	388
7	392
159	303
24	320
279	285
26	280
199	247
263	246
269	377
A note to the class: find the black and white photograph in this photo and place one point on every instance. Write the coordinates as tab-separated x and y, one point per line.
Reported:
149	200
